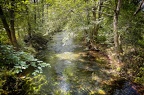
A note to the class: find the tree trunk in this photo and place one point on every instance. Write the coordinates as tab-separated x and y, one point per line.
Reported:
28	23
35	12
5	24
100	9
86	32
94	30
10	32
96	25
13	36
117	43
12	18
141	5
43	7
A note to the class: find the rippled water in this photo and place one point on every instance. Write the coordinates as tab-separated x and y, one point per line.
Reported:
71	72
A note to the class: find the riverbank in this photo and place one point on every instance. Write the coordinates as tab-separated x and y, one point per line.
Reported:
114	68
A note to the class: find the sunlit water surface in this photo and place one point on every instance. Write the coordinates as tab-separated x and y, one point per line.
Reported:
71	72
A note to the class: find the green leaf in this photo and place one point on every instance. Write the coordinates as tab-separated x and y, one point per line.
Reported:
39	61
17	66
24	67
33	64
39	68
37	71
43	64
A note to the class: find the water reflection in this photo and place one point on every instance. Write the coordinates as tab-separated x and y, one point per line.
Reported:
70	73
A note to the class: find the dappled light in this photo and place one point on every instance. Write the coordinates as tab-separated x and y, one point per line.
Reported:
71	47
68	56
74	71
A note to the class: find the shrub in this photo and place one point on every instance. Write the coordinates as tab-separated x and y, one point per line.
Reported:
17	61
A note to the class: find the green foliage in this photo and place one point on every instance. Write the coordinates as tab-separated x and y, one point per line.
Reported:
101	39
50	2
10	84
3	37
140	77
18	61
133	67
141	43
76	16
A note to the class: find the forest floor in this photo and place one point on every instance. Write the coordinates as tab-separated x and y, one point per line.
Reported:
106	57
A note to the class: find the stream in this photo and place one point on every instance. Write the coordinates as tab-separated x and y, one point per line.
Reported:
71	72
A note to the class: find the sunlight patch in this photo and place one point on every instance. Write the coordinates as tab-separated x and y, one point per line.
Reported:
68	56
101	92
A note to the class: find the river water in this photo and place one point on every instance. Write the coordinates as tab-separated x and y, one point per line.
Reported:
71	72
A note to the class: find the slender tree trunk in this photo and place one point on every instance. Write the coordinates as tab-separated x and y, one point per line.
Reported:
10	32
43	6
117	43
13	36
38	9
88	22
5	24
100	9
35	16
98	16
28	23
94	30
86	32
139	7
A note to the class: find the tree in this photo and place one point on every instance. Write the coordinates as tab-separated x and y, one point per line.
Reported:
5	24
9	28
97	13
140	7
12	25
117	43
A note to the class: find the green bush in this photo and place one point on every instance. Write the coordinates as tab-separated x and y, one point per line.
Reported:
10	84
12	64
101	39
140	77
17	61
